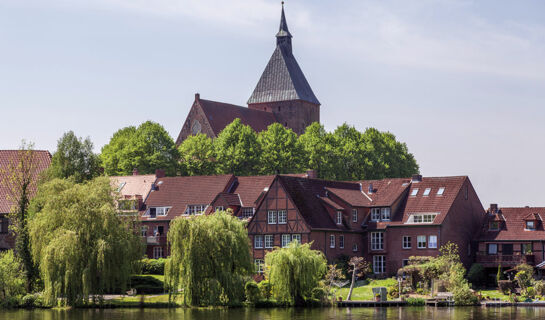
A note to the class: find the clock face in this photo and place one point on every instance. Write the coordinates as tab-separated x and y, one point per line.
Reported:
196	127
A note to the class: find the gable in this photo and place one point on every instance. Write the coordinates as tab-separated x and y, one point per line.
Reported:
195	122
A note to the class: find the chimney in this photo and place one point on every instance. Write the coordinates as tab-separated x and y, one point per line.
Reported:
493	207
159	173
312	174
416	178
371	189
135	171
197	96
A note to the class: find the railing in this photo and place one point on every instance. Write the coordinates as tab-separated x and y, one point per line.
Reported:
507	259
155	239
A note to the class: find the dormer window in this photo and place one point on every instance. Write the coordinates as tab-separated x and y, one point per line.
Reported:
427	192
380	214
494	226
414	192
530	225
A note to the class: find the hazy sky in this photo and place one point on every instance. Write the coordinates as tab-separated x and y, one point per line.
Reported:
461	82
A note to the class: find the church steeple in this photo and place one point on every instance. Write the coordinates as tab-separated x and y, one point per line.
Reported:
283	37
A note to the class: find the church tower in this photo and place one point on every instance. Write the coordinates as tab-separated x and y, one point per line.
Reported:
283	89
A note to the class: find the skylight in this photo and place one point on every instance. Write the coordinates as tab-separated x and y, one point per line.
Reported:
427	192
441	191
414	192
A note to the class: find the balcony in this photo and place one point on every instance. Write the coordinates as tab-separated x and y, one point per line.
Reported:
155	240
511	260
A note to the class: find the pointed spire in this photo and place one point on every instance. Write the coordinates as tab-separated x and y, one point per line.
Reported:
283	30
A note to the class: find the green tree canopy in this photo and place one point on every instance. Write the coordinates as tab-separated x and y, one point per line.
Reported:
146	148
197	156
318	151
294	271
74	158
237	150
280	150
81	245
12	279
210	258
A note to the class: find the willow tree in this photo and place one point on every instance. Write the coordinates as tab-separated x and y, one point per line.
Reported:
294	271
83	248
210	258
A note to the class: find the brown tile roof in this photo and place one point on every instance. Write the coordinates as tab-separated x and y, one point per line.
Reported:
514	227
385	192
251	187
132	186
221	114
179	192
232	199
331	203
43	161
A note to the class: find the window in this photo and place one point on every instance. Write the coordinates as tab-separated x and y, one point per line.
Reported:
247	212
421	218
375	214
152	213
427	192
158	231
258	242
282	217
526	248
432	243
269	241
162	211
143	230
157	252
377	241
259	263
341	242
404	262
414	192
354	215
379	264
339	217
271	217
406	242
530	225
385	214
355	247
507	249
440	191
492	248
466	193
195	209
286	239
421	242
332	241
494	225
219	208
296	236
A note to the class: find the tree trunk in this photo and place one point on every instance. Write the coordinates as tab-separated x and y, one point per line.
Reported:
352	284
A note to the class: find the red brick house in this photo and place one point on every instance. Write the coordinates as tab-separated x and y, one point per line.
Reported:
511	236
42	161
281	95
132	191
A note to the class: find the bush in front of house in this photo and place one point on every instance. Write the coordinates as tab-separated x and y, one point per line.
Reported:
506	286
146	284
393	291
153	266
252	292
265	288
416	301
476	274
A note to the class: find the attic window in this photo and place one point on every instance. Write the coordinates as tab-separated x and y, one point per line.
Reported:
494	226
414	192
421	218
427	192
530	225
441	191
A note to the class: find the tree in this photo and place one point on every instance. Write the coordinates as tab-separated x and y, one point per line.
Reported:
197	156
146	148
350	158
210	258
280	150
12	280
83	248
294	271
359	267
20	177
74	158
237	150
318	151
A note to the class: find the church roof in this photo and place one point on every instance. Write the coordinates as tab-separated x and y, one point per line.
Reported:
282	79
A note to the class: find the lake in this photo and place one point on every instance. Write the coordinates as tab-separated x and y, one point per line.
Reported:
405	313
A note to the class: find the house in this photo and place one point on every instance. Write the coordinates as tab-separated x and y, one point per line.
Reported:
281	95
132	191
41	160
511	236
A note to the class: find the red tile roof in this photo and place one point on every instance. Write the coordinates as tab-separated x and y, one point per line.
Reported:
179	192
134	185
232	199
7	157
514	227
251	187
385	192
221	114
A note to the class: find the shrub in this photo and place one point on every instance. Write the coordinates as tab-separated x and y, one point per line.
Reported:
319	293
252	292
524	279
464	296
153	266
506	286
416	301
11	276
476	274
265	288
531	292
539	285
393	291
146	284
28	301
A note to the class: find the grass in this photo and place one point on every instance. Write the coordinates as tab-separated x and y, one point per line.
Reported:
365	292
494	294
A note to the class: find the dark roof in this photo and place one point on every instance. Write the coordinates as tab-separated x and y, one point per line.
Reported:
221	114
514	226
282	79
385	192
232	199
251	187
8	157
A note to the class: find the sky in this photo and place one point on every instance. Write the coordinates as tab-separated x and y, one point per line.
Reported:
461	82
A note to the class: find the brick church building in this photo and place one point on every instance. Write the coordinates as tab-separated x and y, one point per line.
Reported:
281	95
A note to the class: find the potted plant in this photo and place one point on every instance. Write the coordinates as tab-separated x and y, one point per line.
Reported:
377	297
